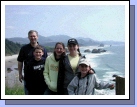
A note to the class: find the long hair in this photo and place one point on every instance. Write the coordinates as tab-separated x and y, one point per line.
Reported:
61	43
79	51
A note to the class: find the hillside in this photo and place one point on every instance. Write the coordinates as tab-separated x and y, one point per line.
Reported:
11	47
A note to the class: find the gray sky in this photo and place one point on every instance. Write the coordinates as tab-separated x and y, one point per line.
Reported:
99	22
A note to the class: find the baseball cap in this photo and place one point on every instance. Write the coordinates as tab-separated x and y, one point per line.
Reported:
84	61
72	41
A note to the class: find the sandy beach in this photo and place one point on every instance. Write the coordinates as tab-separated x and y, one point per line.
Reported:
11	71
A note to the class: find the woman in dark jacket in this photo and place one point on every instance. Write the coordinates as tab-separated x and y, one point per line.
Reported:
68	67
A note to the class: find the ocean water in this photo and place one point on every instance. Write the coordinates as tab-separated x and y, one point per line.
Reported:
107	64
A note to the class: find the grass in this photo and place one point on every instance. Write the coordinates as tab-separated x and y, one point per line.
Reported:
16	90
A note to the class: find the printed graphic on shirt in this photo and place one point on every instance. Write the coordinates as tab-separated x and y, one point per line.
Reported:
38	67
54	67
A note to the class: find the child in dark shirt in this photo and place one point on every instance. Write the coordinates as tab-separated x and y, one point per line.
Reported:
34	78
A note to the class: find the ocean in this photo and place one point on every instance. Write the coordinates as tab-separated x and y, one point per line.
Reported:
107	64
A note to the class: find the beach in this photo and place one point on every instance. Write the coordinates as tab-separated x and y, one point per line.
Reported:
11	71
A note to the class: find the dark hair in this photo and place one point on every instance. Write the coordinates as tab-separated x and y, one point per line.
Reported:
79	51
39	47
31	31
56	46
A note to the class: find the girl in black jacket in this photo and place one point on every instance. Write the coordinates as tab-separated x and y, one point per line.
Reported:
68	67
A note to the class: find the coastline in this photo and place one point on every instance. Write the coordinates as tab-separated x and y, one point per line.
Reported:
11	71
7	58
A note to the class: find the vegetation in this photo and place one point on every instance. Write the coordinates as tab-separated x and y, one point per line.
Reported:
16	90
11	47
49	49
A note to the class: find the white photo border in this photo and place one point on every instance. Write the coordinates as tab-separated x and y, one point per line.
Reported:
126	3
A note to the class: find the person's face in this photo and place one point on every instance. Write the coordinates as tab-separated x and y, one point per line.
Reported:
84	68
59	50
38	53
72	48
33	37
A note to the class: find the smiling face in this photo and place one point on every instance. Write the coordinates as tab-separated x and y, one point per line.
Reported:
73	48
84	69
33	37
59	49
38	54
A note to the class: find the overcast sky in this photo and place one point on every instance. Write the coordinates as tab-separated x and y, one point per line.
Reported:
99	22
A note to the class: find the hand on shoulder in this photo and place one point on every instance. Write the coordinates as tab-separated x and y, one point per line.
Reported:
91	71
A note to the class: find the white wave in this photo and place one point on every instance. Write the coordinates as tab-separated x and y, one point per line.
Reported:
105	92
11	57
90	60
108	76
91	56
